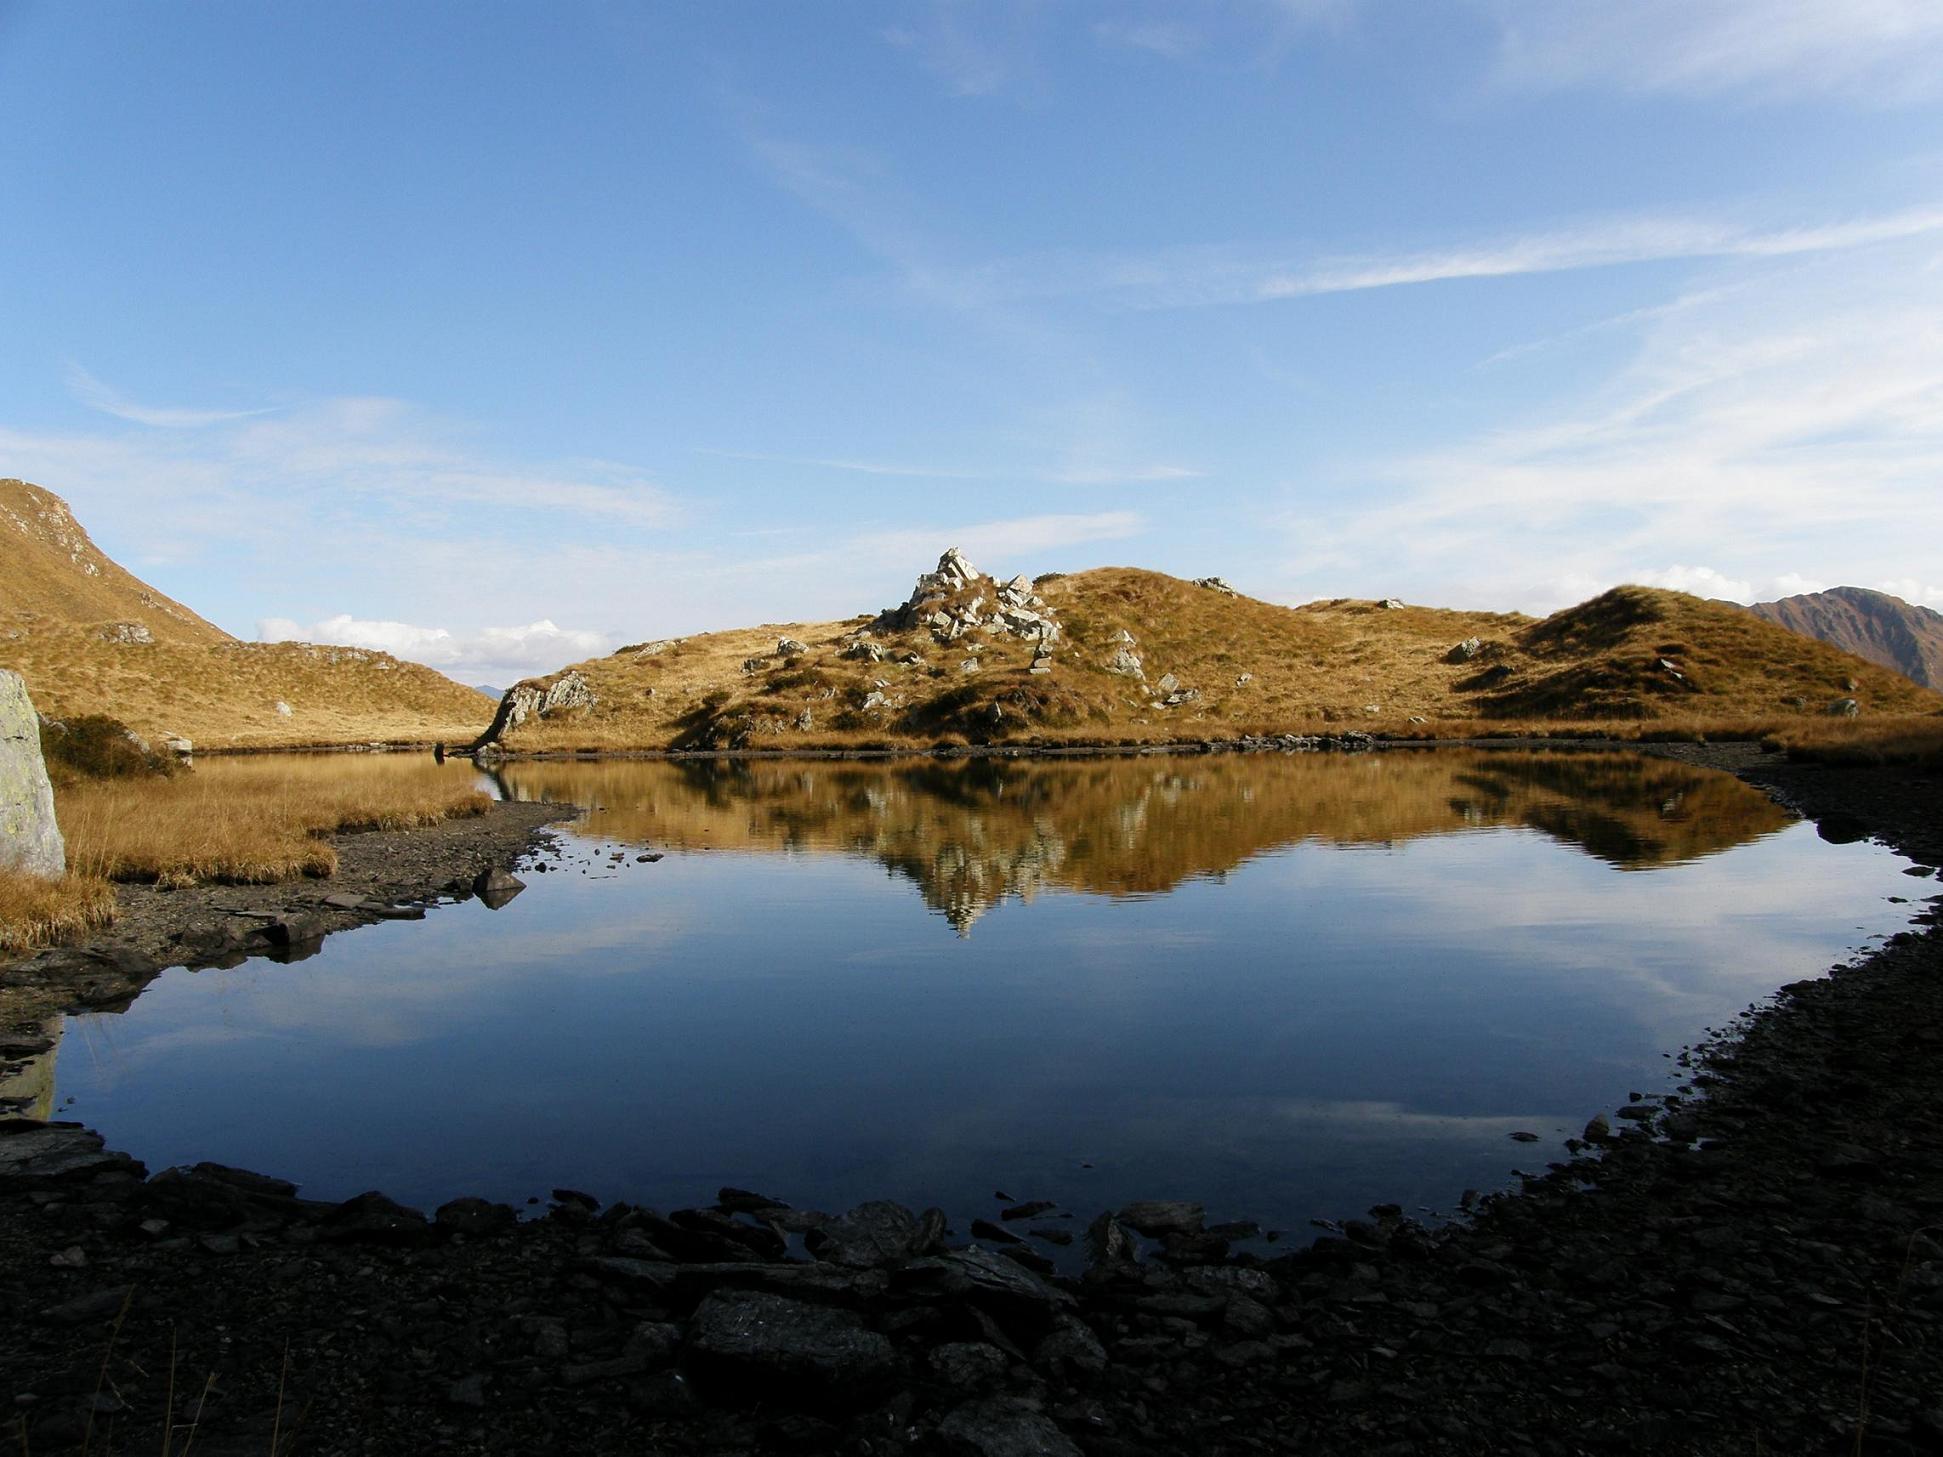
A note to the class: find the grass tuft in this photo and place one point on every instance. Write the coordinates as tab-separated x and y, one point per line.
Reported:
38	912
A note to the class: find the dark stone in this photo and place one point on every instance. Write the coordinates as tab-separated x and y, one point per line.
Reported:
85	1309
749	1346
374	1219
475	1217
496	887
245	1182
1029	1210
998	1234
997	1426
870	1235
968	1365
1163	1216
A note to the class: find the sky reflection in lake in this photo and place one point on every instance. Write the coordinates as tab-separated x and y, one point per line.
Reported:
1291	987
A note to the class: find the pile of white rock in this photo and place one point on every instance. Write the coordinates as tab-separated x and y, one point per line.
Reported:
956	599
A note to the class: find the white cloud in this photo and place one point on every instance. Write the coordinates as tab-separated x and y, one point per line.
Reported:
1793	584
1220	274
91	392
1877	51
1701	581
1601	245
501	654
1913	589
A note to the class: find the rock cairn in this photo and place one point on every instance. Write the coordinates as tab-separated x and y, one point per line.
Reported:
956	598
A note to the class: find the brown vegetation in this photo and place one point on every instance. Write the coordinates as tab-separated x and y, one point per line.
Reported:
91	639
254	819
1633	662
39	912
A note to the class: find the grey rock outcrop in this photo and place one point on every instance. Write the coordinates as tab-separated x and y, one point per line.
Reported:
1126	663
130	634
536	700
1843	708
1465	651
1215	584
789	647
30	839
956	599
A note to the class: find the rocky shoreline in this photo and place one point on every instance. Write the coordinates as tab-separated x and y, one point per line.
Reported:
1753	1265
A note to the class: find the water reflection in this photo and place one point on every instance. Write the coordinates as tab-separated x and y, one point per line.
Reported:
1290	987
971	833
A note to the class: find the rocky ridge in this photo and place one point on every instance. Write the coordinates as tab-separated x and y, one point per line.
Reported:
1872	625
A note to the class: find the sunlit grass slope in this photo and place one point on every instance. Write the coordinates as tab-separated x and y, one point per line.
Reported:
253	819
89	638
1633	658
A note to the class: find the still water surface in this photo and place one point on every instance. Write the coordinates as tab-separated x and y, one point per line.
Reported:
1288	986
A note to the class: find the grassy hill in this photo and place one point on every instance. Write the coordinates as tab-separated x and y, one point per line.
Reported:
90	638
1211	664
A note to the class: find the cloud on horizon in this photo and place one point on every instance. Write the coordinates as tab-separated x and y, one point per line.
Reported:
501	654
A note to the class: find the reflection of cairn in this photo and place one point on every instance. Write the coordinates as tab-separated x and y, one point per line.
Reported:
963	881
957	598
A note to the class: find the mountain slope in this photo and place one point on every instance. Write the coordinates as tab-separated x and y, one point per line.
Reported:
91	638
1122	654
1872	625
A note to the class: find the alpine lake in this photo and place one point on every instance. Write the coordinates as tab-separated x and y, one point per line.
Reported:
1289	986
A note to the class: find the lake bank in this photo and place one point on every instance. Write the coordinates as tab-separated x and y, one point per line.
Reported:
1577	1319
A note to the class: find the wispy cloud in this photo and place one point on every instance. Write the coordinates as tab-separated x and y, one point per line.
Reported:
1167	38
97	395
1792	423
1600	245
1206	275
973	47
1876	51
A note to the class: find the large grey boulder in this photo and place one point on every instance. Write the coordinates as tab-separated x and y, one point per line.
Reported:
30	839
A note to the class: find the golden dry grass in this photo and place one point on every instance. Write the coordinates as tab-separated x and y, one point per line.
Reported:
1633	662
38	912
252	820
1917	742
64	608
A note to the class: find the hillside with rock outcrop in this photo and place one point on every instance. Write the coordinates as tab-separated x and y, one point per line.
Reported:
1122	655
89	637
1886	630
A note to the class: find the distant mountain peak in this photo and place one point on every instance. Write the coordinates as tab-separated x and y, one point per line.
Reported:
1885	630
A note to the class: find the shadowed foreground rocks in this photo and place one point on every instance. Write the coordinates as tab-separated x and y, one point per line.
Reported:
1753	1266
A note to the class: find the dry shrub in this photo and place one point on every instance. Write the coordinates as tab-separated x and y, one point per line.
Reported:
1917	741
253	820
38	912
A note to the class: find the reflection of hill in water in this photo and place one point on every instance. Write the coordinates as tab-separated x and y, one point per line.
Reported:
970	832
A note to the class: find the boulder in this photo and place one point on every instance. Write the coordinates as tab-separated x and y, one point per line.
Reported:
30	839
1127	664
1391	602
753	1346
1843	708
1215	584
496	887
1465	651
283	709
789	647
997	1426
129	634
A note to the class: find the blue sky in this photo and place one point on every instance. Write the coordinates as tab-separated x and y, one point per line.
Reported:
499	335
